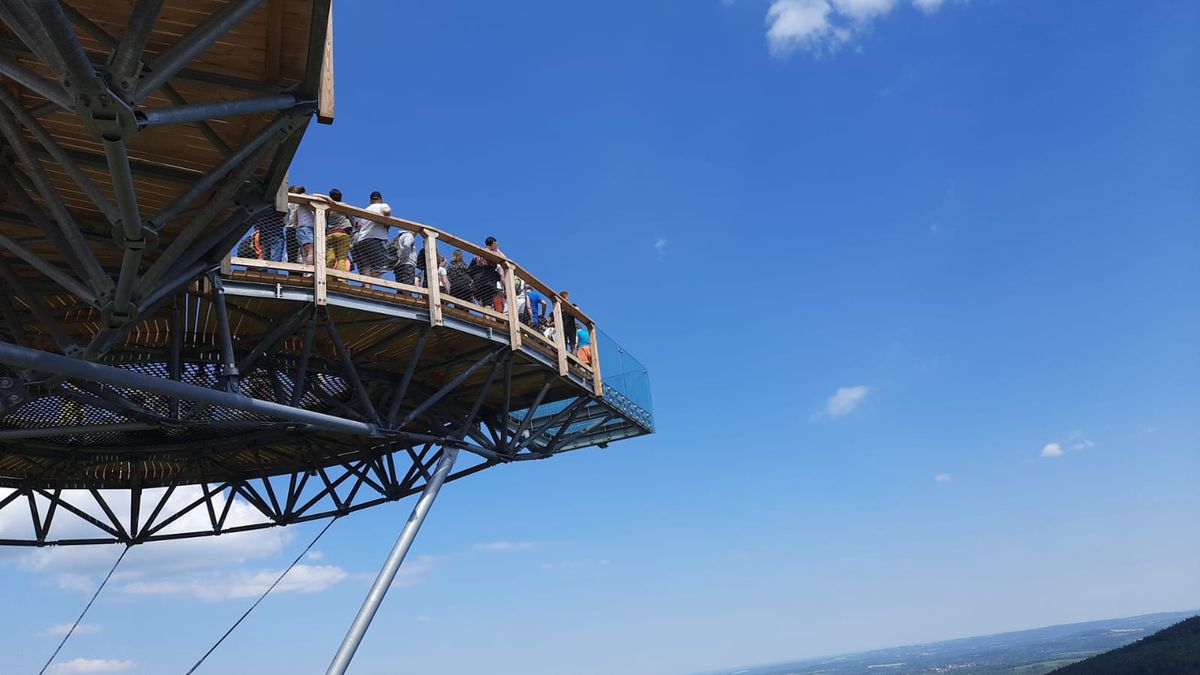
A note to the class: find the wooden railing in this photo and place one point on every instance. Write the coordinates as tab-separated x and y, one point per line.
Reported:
439	301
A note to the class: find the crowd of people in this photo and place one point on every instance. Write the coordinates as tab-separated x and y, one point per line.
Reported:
367	246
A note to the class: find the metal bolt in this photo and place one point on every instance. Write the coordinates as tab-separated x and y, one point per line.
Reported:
6	383
14	398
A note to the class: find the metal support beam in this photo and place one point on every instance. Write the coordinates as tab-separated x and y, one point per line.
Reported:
50	324
229	369
63	157
21	20
341	660
183	240
192	45
49	269
195	112
36	83
128	56
203	184
98	280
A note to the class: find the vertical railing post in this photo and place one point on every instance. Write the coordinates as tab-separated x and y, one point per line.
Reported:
510	301
597	382
560	340
433	279
320	281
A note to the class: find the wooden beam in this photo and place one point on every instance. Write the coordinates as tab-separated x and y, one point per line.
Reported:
597	382
274	38
560	340
320	283
432	279
510	298
325	96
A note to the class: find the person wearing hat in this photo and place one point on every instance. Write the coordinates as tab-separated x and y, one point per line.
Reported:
369	244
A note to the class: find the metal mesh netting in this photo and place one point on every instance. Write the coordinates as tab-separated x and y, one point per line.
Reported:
80	406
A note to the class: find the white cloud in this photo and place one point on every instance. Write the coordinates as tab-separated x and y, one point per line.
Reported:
823	26
241	584
861	10
61	629
802	24
845	400
1052	450
944	477
315	555
81	665
660	247
504	546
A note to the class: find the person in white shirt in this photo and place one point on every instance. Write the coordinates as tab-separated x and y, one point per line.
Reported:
369	240
406	257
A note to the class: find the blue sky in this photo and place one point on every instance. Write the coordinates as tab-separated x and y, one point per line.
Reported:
917	287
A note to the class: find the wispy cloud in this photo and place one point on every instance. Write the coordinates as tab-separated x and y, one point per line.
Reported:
844	401
301	579
825	26
82	665
1078	442
944	477
504	546
61	629
660	247
1075	442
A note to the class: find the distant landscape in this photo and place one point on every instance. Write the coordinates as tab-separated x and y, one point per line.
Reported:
1028	652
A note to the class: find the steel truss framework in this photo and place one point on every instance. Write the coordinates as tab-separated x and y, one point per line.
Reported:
107	94
137	449
108	439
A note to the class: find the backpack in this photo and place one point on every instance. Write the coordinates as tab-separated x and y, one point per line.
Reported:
392	251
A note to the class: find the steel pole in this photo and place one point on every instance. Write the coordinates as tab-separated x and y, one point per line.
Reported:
341	660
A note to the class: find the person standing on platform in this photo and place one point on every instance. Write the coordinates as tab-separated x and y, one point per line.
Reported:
459	276
583	340
306	220
405	248
485	277
291	244
337	236
443	277
368	244
537	307
568	320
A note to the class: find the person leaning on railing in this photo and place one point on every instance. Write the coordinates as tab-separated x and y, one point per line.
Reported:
369	241
337	236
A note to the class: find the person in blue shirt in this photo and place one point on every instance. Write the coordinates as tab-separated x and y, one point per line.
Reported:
583	341
538	305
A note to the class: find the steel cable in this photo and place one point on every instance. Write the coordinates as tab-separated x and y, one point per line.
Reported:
85	610
264	594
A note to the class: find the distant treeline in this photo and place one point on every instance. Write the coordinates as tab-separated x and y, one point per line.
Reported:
1174	650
